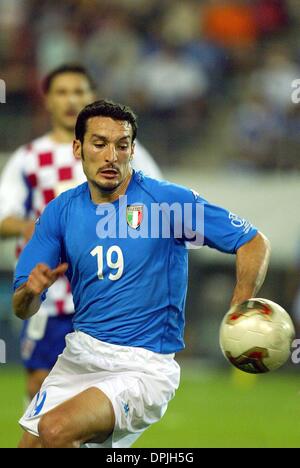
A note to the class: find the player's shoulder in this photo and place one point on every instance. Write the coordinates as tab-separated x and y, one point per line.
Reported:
56	213
166	191
39	144
66	198
72	193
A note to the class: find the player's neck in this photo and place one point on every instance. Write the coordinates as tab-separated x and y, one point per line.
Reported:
61	135
98	196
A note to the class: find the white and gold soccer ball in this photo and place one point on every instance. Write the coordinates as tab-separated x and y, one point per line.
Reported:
256	336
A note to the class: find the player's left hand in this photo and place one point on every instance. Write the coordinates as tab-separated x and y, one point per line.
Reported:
42	277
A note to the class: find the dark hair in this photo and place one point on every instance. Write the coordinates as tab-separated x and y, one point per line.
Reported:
105	108
70	68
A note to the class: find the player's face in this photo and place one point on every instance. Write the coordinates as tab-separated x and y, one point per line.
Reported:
106	152
68	94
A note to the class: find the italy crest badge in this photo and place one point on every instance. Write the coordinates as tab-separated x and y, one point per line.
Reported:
134	216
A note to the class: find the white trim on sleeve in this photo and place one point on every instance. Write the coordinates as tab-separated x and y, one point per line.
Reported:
13	189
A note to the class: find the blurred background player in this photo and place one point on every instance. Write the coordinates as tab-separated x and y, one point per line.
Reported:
36	174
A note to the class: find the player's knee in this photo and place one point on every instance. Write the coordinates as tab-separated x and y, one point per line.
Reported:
52	432
29	441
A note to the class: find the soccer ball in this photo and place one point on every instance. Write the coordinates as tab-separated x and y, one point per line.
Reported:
256	336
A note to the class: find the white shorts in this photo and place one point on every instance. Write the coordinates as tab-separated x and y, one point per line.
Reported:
138	382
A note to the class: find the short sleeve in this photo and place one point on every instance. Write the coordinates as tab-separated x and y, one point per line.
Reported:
45	245
201	223
224	230
14	192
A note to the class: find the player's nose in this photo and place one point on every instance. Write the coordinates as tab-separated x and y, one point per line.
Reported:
110	153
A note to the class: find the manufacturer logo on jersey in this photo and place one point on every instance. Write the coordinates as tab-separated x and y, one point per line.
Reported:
126	408
236	221
39	403
134	215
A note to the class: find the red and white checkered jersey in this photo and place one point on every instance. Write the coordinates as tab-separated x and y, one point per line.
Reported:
35	175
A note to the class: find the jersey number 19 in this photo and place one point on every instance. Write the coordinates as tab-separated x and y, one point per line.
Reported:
117	265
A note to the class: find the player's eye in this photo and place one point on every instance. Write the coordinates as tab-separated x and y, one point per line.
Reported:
61	92
99	145
123	147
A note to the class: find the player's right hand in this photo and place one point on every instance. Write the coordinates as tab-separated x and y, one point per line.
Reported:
42	277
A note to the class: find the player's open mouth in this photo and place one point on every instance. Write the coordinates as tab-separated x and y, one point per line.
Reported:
109	173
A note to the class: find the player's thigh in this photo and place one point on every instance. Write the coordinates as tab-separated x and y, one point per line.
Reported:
89	415
29	441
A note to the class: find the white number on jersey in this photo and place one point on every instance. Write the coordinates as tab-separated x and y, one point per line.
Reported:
117	265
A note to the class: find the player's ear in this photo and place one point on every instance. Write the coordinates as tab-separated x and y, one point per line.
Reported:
77	149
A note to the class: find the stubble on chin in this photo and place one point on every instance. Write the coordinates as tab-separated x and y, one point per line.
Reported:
105	188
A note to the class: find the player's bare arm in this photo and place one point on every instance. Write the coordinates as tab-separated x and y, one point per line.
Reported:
17	227
252	262
27	298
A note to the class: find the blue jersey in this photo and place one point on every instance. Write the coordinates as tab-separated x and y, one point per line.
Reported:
129	272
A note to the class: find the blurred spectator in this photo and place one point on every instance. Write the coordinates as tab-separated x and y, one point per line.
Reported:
256	132
293	7
54	46
112	53
266	137
180	24
267	124
180	27
166	79
213	60
12	14
230	23
56	38
12	21
288	152
274	79
182	64
271	16
170	93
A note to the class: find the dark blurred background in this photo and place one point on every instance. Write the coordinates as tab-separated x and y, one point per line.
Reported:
211	82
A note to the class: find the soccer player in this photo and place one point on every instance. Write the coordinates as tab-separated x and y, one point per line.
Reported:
122	240
35	175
